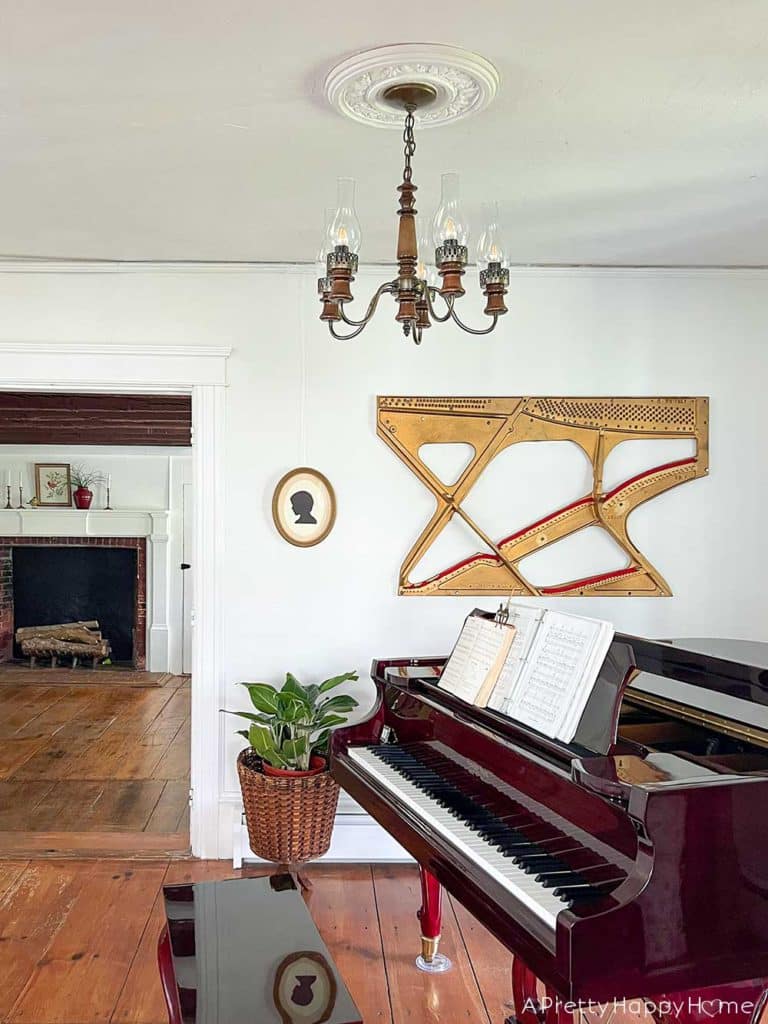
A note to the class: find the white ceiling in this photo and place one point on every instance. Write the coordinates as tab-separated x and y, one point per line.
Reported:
623	133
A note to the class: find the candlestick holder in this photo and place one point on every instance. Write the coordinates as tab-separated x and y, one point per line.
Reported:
108	506
8	496
21	496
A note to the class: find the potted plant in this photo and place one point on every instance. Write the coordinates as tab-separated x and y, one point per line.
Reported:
289	795
83	479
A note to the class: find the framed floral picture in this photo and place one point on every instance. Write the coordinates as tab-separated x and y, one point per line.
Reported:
53	486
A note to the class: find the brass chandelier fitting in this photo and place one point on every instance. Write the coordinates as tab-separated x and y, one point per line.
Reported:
415	289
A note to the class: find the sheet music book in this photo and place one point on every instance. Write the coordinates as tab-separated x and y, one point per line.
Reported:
473	669
547	671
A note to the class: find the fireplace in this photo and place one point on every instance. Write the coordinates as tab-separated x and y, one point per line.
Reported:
45	580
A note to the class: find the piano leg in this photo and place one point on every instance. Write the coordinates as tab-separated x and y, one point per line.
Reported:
525	995
430	917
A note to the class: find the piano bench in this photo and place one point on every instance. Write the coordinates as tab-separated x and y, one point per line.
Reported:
247	949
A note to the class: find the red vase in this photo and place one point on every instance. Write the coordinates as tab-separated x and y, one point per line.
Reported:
317	765
83	497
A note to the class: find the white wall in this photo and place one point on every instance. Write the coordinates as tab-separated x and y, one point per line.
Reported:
140	475
295	397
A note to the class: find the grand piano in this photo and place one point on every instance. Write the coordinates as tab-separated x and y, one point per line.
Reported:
627	864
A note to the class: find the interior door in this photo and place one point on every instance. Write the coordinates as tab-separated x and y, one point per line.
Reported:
186	574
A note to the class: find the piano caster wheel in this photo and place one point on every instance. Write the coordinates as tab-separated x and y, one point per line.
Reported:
437	965
429	960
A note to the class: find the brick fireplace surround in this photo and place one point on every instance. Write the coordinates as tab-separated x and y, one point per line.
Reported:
138	544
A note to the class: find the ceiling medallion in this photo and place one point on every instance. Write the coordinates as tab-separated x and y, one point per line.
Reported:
463	82
430	263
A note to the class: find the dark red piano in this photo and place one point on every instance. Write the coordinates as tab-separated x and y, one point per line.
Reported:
627	864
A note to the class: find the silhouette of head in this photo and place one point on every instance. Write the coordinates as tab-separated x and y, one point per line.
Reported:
302	503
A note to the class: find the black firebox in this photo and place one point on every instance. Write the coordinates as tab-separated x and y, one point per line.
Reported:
72	583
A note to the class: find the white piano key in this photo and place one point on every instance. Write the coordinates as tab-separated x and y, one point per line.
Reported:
524	887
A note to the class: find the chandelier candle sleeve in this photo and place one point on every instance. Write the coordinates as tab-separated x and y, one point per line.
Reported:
330	311
414	289
492	261
345	237
450	233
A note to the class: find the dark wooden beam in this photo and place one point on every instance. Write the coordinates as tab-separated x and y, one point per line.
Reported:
38	418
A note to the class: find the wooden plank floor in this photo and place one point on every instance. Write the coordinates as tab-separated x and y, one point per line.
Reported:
97	758
78	943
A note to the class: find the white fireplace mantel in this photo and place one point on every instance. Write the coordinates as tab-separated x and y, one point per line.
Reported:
74	522
152	524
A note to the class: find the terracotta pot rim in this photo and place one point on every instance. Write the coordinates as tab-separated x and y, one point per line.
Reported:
318	765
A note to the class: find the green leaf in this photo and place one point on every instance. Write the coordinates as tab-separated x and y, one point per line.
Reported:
249	715
312	692
289	707
262	742
292	750
294	687
330	684
320	743
245	733
330	720
263	697
341	702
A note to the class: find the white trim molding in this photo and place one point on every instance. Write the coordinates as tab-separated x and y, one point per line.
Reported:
200	371
207	619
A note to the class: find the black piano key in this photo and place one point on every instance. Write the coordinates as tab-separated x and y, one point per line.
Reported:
588	890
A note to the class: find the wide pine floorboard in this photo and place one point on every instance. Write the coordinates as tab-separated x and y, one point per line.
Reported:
78	942
105	757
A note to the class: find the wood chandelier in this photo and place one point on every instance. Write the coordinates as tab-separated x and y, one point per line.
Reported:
413	290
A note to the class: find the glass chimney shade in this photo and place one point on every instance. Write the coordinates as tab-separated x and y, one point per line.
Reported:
449	222
344	228
490	245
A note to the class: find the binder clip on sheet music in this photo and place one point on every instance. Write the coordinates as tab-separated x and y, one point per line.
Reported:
535	665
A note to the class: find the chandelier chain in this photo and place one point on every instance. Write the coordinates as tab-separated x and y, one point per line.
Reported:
410	143
414	296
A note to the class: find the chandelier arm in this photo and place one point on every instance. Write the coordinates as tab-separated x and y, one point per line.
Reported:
430	291
388	286
474	330
346	337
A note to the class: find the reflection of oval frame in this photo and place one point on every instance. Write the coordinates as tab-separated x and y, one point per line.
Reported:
326	997
286	529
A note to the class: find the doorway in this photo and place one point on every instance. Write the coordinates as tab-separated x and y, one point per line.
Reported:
199	372
94	708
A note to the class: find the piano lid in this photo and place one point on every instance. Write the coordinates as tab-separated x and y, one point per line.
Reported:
723	678
752	653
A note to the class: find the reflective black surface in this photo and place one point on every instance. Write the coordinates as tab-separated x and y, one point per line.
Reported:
745	652
248	950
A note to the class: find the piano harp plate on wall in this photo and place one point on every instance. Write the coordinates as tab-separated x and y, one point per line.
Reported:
491	425
629	863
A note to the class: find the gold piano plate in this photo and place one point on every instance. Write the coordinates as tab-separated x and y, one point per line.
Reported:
489	426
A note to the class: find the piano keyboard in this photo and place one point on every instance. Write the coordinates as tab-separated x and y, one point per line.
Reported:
520	851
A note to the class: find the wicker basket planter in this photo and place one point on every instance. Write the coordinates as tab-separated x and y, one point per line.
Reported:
290	821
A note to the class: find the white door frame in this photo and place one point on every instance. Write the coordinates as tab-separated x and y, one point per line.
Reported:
165	369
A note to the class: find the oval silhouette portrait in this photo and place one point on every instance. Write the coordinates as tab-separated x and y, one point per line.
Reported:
304	507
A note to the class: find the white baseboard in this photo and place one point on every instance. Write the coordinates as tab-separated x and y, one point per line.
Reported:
356	838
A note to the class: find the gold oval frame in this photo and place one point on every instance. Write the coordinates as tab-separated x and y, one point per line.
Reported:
322	479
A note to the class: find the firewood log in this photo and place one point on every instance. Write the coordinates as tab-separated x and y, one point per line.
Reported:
74	634
25	631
